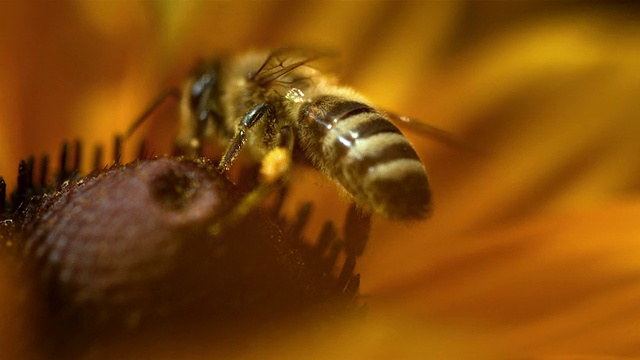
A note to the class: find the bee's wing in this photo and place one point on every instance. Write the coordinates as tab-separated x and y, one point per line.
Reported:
283	61
429	130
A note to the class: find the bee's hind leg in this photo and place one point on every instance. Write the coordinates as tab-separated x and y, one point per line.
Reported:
276	164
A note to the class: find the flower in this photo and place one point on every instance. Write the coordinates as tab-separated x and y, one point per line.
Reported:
532	247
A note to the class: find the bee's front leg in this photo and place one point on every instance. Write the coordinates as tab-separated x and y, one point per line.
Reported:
260	111
274	168
275	165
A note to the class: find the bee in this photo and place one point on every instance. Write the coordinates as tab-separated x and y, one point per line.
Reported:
277	104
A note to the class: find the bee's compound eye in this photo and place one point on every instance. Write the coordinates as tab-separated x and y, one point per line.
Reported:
198	89
200	84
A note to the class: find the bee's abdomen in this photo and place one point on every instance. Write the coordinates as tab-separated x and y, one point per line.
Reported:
369	157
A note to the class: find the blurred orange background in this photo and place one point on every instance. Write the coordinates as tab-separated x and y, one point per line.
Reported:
533	249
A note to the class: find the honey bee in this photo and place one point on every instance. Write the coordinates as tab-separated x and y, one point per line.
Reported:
276	104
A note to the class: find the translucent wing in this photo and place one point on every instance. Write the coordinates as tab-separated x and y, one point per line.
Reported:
283	61
428	130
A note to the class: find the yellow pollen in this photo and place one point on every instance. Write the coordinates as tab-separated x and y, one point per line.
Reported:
275	165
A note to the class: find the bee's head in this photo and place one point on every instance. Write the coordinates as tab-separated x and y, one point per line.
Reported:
204	93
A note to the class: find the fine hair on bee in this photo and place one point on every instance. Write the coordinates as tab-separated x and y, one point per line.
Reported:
127	253
276	104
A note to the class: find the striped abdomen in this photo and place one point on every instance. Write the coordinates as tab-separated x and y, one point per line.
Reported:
364	152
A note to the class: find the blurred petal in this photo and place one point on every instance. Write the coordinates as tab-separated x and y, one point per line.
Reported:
552	285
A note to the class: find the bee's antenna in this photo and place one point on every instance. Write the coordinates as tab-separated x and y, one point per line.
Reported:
169	93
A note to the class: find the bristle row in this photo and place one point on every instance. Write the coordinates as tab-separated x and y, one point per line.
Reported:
32	182
326	250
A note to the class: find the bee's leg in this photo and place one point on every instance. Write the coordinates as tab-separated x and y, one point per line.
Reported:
276	164
260	111
247	204
274	167
356	234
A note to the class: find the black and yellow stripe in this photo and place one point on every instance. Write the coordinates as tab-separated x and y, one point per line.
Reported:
368	155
